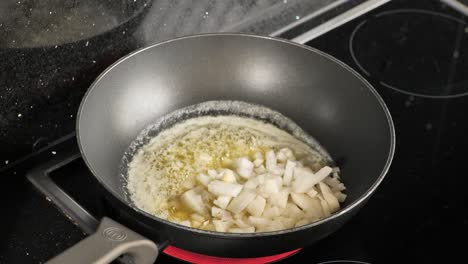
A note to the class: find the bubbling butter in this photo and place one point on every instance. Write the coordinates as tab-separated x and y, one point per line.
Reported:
168	164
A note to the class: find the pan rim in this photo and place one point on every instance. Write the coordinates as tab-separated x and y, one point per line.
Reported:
356	203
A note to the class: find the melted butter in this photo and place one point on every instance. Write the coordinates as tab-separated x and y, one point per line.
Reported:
168	165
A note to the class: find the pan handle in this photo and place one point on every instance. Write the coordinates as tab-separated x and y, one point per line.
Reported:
110	241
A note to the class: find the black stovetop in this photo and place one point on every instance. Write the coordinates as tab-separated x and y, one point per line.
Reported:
416	55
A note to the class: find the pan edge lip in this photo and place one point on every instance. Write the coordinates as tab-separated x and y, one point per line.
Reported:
354	205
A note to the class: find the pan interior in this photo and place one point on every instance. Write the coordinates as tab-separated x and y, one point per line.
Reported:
216	108
323	96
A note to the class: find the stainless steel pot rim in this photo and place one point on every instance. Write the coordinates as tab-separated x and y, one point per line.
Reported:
343	211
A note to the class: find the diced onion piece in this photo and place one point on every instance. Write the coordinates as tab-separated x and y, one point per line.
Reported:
287	221
240	202
242	230
272	185
336	172
281	156
204	179
312	193
258	221
305	180
292	211
340	187
340	196
306	203
257	206
228	176
186	223
288	153
220	188
274	225
196	224
332	201
197	217
332	182
240	215
220	213
261	178
221	226
206	196
271	212
302	222
244	167
241	223
192	200
212	174
252	183
323	173
222	201
325	208
279	199
278	171
270	160
288	172
261	169
258	155
258	162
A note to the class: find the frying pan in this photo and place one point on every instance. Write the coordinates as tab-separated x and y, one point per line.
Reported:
321	94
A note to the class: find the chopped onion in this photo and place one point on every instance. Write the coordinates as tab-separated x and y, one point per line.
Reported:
306	203
293	211
261	169
186	223
220	188
271	211
258	162
332	201
221	226
270	162
193	201
240	202
222	201
305	180
220	213
212	174
244	167
279	199
204	179
228	176
340	196
258	221
312	193
272	185
288	172
273	192
287	221
257	206
240	223
197	217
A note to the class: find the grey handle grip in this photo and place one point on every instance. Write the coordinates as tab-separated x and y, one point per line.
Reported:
110	241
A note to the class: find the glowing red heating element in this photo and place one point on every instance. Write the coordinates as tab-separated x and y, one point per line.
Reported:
199	258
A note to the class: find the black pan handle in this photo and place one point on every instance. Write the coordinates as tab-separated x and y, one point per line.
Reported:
108	239
40	178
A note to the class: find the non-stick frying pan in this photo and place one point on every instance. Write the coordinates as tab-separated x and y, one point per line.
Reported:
321	94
